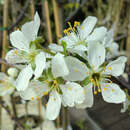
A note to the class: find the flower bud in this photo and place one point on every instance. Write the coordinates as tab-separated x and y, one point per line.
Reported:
12	72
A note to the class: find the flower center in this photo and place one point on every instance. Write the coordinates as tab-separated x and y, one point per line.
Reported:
95	79
54	84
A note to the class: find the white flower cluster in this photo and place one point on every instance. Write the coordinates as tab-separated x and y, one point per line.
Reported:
68	73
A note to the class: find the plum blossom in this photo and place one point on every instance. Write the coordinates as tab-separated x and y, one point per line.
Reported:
98	76
33	59
7	84
79	36
68	94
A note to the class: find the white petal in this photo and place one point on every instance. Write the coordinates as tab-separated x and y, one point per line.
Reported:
48	125
19	41
97	35
77	69
87	26
30	29
113	52
96	54
3	76
34	91
6	90
126	104
53	106
116	67
13	57
23	78
59	67
40	62
88	102
108	39
55	47
112	93
73	94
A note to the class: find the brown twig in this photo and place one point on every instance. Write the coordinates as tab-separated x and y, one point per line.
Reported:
47	19
74	13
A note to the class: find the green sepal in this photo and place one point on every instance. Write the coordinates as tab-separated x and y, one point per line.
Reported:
59	90
64	44
86	81
43	77
49	74
60	80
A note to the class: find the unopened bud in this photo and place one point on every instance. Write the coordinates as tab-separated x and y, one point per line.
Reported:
12	72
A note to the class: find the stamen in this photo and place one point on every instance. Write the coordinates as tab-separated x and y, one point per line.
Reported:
99	90
87	73
32	98
113	90
45	93
92	80
37	98
16	52
111	82
54	99
106	85
95	92
105	89
69	88
109	68
76	23
76	70
54	82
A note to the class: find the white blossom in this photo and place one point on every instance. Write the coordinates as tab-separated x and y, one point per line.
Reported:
98	76
7	84
33	59
69	93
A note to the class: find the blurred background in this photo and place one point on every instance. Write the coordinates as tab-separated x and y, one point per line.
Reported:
54	16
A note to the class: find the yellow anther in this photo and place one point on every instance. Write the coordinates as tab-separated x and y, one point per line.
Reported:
54	82
111	82
99	90
92	80
109	68
45	93
76	23
105	89
32	98
95	92
37	98
76	70
54	99
65	31
106	85
69	88
87	73
113	90
16	52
